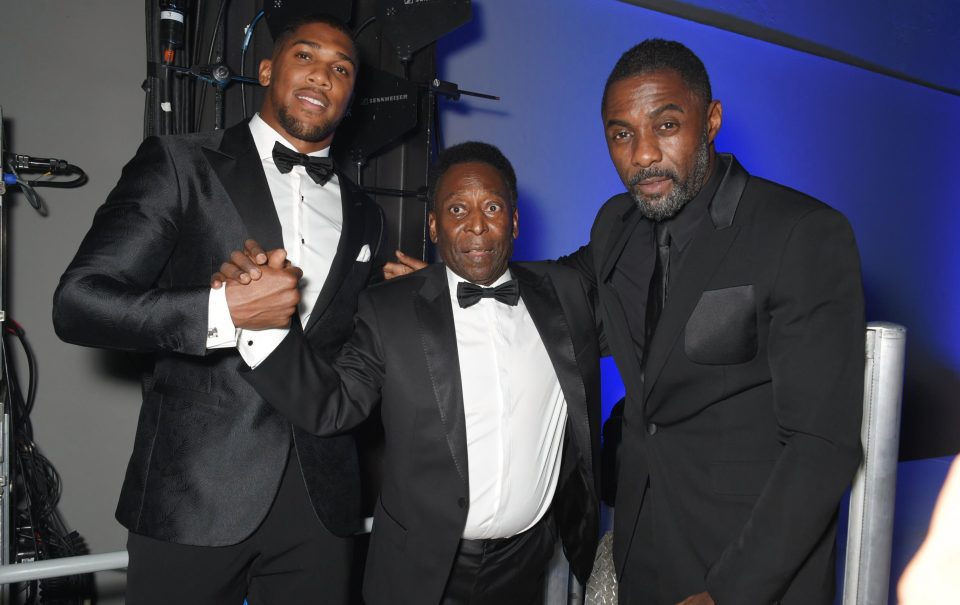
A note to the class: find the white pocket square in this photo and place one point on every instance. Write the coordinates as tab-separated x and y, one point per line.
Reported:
364	255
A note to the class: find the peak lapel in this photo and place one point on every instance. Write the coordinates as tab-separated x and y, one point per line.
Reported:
439	338
238	166
543	303
351	240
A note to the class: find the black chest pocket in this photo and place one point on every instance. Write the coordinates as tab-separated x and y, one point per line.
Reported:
722	329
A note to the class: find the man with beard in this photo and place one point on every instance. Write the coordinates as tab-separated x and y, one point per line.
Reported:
734	309
225	497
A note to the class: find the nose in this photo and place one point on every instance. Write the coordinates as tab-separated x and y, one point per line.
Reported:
476	222
319	76
646	150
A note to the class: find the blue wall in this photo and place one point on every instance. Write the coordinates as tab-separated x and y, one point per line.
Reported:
882	151
901	36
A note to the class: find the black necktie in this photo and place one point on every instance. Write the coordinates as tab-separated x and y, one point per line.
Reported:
319	169
659	281
470	294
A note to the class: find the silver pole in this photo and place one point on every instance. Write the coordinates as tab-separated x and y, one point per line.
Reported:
67	566
870	527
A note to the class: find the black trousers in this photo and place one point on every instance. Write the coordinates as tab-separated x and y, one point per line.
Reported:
290	559
508	571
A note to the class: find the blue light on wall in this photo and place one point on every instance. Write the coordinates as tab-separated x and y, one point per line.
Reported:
880	150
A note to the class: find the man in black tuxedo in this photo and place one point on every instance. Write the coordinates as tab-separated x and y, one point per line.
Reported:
734	310
225	497
487	374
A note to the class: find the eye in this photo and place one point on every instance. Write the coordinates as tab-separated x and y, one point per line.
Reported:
302	55
456	210
341	70
669	125
620	135
494	206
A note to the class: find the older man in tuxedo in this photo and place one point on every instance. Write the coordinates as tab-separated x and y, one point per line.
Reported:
487	375
225	497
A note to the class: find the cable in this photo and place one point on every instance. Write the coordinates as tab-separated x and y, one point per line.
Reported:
213	41
248	36
41	532
363	26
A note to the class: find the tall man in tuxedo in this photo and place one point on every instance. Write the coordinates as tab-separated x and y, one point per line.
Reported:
734	310
487	374
225	497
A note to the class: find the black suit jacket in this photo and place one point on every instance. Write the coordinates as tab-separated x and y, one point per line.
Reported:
747	420
404	353
209	452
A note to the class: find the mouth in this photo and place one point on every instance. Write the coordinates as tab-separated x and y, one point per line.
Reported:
477	254
652	184
314	100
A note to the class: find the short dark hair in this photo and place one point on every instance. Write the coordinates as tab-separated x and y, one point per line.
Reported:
472	151
284	34
656	54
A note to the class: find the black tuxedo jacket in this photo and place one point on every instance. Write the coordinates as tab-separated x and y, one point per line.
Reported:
747	420
209	452
403	356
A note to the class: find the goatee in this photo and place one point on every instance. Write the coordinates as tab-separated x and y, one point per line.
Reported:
299	130
661	208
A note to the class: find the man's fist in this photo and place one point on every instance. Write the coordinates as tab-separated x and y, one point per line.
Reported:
268	297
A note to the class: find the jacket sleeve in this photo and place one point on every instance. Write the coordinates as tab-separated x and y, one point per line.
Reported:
582	260
318	397
110	295
816	359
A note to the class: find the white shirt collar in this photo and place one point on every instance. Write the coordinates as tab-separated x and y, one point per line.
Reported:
264	137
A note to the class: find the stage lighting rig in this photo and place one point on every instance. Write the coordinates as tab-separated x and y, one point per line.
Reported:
414	24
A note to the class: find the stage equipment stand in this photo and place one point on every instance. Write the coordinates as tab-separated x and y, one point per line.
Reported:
6	508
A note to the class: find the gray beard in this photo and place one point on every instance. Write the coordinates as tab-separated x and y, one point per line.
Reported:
661	208
299	130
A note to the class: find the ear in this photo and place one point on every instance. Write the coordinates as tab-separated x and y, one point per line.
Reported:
516	223
266	70
714	118
432	222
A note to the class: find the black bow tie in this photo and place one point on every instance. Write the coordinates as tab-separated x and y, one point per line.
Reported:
319	169
470	294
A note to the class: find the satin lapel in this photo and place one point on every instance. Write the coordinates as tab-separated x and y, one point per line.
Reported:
707	251
240	171
543	304
439	338
351	240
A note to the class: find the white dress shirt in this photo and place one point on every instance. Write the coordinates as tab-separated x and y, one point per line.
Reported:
311	219
515	415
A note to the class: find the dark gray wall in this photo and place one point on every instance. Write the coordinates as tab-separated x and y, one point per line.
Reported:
71	89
